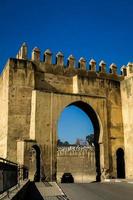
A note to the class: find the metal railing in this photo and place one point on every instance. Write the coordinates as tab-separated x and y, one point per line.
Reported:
11	174
22	172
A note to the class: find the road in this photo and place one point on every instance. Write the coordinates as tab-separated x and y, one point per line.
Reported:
98	191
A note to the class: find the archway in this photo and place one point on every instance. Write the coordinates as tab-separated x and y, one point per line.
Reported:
74	127
95	121
120	163
35	163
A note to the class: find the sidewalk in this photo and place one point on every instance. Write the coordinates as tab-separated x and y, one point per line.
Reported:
36	191
50	191
118	181
13	191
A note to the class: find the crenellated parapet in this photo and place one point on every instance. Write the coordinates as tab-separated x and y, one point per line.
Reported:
127	71
34	91
75	151
70	69
82	77
23	52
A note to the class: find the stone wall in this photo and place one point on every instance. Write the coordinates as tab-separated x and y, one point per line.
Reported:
127	110
21	84
34	92
4	95
79	161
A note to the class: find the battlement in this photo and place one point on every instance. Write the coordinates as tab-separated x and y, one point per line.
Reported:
75	151
70	70
127	71
34	93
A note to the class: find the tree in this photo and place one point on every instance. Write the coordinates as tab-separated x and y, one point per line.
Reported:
60	143
90	139
66	143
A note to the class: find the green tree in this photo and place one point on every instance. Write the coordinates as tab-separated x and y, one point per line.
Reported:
60	143
90	139
66	143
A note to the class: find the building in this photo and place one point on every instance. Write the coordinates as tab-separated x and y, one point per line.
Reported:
33	93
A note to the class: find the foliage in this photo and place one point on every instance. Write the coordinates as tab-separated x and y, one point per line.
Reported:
90	139
60	143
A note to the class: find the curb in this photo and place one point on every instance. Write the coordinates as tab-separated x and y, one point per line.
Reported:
64	195
117	181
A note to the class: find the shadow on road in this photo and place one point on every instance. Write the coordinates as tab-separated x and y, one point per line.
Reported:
33	193
29	193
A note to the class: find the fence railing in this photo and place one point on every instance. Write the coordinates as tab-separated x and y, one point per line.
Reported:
22	172
11	174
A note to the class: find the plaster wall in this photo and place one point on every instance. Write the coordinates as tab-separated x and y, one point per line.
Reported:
4	93
127	110
80	163
33	95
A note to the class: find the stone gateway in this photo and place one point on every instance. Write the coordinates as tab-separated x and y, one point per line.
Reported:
33	93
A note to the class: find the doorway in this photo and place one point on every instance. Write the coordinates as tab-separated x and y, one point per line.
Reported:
120	163
36	154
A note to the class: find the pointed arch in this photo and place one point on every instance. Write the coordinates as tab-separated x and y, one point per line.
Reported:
120	161
97	126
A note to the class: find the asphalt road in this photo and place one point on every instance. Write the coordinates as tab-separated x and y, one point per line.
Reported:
98	191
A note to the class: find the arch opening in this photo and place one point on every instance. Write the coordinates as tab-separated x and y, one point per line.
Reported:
120	161
35	163
91	114
74	126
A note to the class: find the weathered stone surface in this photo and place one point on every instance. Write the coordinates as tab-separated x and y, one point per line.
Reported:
33	95
79	161
127	111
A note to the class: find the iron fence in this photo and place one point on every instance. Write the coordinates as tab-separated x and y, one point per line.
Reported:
22	172
11	174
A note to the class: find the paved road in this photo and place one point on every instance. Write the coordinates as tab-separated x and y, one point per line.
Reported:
98	191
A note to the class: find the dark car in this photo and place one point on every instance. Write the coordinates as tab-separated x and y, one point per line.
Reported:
67	178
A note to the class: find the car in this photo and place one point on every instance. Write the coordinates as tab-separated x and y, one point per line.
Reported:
67	178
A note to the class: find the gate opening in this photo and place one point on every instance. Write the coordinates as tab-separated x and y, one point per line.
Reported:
81	155
35	164
120	163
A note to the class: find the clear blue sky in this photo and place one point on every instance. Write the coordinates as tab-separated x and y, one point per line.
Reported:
74	124
99	29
